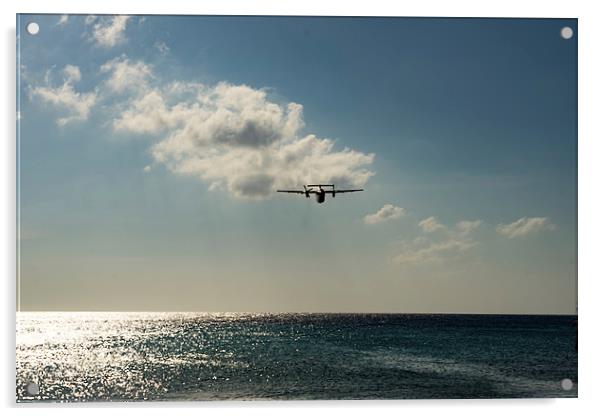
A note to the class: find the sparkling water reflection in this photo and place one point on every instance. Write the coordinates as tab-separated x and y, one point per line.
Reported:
197	356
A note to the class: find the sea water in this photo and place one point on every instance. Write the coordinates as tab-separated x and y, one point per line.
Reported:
99	356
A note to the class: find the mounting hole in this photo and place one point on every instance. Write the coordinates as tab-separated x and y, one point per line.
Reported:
33	389
566	32
33	28
566	384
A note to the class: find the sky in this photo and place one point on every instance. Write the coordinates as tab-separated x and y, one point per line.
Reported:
150	150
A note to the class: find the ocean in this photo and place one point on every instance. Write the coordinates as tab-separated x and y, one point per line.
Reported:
97	356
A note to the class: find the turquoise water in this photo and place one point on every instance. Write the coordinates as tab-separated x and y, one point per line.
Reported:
196	356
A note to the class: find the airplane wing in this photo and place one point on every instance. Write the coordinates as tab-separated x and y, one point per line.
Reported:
342	191
290	192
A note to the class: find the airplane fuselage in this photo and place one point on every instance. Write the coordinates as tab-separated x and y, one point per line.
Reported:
320	196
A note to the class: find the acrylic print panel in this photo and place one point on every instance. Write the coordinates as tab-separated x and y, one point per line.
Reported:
226	208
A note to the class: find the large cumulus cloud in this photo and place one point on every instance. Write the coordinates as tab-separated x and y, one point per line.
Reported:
231	137
234	137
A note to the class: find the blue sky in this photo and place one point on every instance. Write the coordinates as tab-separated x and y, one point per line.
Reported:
151	147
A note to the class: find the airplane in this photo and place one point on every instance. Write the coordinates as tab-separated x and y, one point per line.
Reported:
320	192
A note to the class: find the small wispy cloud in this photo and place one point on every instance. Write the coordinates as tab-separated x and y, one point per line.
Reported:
108	31
430	225
72	73
90	19
525	226
466	227
421	251
63	20
449	244
386	213
161	47
77	104
126	75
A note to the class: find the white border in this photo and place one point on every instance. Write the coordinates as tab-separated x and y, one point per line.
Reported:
590	207
467	8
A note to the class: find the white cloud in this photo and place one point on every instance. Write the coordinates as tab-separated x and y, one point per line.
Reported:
430	225
161	47
72	73
421	251
108	31
467	227
90	19
256	171
233	137
126	75
147	168
63	20
524	226
386	213
431	248
77	104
